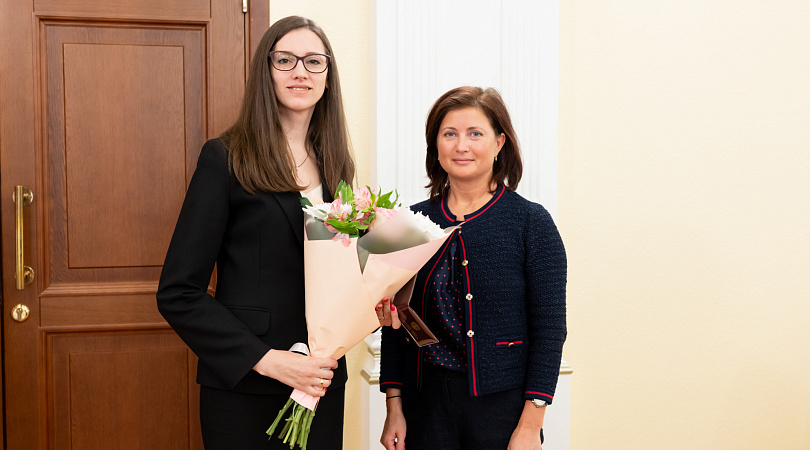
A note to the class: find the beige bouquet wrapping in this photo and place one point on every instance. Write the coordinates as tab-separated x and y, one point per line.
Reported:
358	250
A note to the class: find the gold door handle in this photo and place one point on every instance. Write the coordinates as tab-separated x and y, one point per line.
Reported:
22	197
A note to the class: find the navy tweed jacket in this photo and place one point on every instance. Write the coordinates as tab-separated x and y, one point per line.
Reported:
515	313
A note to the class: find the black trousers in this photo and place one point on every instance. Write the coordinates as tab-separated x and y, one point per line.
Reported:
237	421
444	416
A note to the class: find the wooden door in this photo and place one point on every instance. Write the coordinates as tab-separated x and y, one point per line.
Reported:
104	106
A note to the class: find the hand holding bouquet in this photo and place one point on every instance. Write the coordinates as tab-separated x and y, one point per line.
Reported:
358	249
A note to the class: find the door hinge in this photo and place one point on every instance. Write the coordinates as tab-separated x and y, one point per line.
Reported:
244	6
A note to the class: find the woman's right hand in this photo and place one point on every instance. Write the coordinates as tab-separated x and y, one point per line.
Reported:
393	435
305	373
387	314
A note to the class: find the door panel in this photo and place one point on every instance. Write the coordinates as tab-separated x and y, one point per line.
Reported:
102	116
124	139
146	78
105	381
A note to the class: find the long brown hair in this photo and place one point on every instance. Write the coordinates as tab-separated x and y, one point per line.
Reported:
258	153
507	170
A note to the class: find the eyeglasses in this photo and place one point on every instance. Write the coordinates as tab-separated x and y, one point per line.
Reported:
314	62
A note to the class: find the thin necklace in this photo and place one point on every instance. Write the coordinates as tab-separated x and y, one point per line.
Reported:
298	167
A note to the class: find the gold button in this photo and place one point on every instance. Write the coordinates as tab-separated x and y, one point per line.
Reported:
470	333
464	263
511	344
469	296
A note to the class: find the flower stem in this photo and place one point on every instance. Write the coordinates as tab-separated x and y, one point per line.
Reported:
296	426
279	416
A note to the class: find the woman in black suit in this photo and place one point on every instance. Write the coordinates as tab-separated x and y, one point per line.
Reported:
242	212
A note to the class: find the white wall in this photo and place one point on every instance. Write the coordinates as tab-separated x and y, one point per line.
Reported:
425	48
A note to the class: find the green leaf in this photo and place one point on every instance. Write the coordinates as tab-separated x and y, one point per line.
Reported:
386	202
345	191
343	227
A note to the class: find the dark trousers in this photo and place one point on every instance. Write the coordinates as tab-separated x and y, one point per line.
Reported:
232	420
444	416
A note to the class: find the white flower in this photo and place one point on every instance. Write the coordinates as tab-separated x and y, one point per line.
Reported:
427	226
318	212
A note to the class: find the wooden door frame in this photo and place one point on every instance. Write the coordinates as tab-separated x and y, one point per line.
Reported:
258	23
258	20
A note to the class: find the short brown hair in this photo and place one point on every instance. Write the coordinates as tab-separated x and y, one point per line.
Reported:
258	153
507	170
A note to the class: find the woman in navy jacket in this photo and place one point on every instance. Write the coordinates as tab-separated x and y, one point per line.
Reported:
242	212
494	295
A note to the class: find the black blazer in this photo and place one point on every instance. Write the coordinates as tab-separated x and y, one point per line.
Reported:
256	241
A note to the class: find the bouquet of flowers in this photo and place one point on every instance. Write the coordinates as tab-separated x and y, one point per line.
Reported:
358	249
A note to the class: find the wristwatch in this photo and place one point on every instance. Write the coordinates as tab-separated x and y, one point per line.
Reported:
538	403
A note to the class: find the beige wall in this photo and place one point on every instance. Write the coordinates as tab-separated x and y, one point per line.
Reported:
684	202
347	24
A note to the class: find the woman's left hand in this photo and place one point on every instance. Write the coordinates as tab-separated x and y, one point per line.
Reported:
524	439
387	314
527	435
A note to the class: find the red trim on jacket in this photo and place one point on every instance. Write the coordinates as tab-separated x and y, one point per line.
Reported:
507	343
540	393
453	219
447	216
503	189
469	316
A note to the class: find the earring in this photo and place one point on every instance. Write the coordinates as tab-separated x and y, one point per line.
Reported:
496	158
